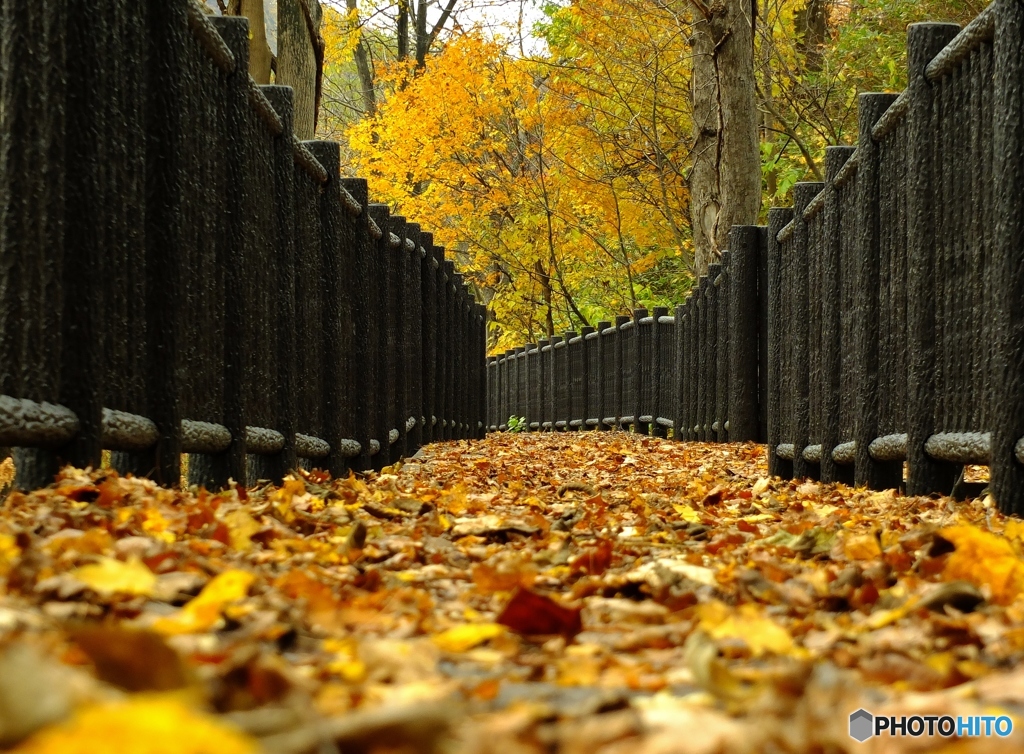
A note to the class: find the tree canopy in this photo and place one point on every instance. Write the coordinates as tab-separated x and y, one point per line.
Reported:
560	181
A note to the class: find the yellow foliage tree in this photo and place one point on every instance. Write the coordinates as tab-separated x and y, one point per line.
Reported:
501	159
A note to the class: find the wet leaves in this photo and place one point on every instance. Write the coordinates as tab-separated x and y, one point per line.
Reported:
567	592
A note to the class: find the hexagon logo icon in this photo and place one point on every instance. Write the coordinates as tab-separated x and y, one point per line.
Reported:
862	725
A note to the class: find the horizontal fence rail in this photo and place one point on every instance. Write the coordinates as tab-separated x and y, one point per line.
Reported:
877	322
179	274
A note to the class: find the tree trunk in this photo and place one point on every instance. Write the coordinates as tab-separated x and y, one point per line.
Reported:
260	56
725	182
300	55
403	29
812	28
363	67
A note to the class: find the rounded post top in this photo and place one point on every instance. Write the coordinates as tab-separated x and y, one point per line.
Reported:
621	319
804	192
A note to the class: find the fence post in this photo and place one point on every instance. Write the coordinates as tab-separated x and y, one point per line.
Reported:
480	429
215	470
692	346
867	310
445	354
709	354
589	345
618	366
362	325
656	399
700	359
523	393
744	331
456	358
338	327
722	289
924	475
32	244
553	378
163	231
543	377
434	275
1007	396
489	395
505	399
637	353
800	300
778	218
600	379
832	320
681	417
428	367
395	233
105	205
566	404
536	386
384	378
446	421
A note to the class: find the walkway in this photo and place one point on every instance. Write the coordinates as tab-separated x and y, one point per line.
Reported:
566	592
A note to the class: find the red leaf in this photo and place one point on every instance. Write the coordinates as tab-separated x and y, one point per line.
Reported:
530	613
594	560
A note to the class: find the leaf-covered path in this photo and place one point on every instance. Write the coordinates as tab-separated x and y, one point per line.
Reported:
523	593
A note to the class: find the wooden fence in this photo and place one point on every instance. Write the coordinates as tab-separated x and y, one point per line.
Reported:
880	320
178	274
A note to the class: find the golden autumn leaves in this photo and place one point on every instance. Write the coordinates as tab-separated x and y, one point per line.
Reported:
655	582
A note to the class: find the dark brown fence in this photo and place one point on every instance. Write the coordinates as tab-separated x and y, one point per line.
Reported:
178	274
880	320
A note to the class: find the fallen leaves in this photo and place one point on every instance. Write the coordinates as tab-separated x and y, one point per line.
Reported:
746	625
535	614
203	612
110	576
150	724
577	590
465	638
984	559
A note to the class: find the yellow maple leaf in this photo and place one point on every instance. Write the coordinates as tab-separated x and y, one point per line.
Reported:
862	547
203	612
984	559
687	513
241	527
760	633
110	576
143	724
466	637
